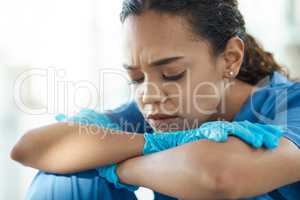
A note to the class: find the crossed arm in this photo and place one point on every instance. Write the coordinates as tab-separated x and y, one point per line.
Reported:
198	170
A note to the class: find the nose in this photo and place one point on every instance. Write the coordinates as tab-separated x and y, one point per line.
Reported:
152	93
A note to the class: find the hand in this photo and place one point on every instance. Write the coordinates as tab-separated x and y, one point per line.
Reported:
256	135
109	172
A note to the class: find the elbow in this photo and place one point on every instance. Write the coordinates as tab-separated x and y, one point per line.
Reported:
223	185
216	177
20	150
218	185
16	153
210	185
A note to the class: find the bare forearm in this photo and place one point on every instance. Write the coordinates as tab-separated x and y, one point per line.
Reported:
208	170
64	148
174	172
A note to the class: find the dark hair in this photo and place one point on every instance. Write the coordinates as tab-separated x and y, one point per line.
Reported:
217	21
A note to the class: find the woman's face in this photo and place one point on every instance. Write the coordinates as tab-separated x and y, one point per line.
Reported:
171	73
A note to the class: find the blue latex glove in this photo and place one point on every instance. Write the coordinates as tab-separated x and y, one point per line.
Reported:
256	135
110	174
90	117
155	142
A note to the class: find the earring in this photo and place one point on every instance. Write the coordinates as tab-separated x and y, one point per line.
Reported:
231	74
164	99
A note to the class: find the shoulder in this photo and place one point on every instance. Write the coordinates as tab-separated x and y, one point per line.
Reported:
277	102
284	109
275	96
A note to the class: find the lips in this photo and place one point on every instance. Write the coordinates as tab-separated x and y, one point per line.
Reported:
162	123
160	116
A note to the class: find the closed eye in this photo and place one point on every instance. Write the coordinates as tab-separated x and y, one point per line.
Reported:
168	78
175	77
136	81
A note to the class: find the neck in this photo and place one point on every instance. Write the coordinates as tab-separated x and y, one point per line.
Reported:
235	96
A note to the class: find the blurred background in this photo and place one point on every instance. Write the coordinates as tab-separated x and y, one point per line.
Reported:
57	56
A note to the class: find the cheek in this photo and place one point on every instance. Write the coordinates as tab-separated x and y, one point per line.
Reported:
138	96
205	98
176	95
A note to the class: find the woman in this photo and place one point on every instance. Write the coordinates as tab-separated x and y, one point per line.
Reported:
190	61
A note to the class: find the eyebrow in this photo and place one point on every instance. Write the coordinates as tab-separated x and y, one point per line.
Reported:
159	62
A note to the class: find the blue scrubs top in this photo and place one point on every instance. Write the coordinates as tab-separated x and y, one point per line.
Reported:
277	101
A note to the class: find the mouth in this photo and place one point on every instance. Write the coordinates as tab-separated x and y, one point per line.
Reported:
163	122
160	117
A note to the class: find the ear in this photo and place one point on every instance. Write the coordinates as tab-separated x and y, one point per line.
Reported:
233	56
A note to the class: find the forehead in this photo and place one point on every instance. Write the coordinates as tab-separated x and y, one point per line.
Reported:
155	26
152	35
